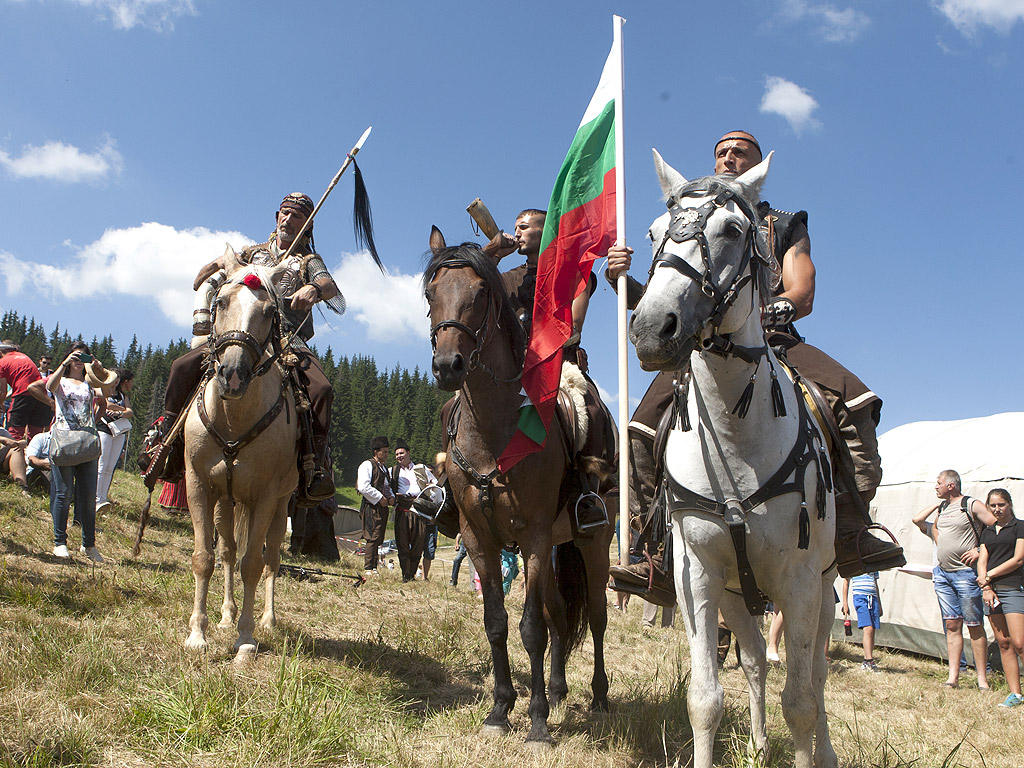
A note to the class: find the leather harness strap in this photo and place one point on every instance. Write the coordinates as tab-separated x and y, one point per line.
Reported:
230	448
788	478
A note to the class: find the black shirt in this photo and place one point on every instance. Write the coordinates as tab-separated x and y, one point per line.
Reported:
1000	548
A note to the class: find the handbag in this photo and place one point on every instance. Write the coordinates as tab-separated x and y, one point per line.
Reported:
119	426
70	446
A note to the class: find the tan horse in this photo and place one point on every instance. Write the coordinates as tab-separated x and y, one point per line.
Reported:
478	345
240	453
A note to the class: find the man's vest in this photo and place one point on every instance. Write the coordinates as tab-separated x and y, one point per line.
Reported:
779	229
379	480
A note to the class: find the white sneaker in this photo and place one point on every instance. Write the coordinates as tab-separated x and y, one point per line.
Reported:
92	553
102	506
61	551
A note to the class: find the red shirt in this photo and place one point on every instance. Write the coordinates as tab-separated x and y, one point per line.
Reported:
19	371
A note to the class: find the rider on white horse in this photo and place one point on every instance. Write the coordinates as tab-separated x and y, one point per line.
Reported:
855	407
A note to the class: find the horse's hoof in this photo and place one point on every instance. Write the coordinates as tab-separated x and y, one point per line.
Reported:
246	653
268	622
600	707
196	642
495	731
226	623
540	742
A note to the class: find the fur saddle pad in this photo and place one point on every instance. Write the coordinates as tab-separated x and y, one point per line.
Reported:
571	406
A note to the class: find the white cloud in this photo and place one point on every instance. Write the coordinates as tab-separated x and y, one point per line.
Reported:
62	162
158	263
151	261
790	101
969	15
157	15
392	306
836	25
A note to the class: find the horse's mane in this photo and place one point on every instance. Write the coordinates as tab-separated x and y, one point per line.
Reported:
487	270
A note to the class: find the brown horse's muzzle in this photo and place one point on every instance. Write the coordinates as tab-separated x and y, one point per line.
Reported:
234	374
450	369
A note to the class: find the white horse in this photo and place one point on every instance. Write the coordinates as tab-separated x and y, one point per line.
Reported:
748	478
240	453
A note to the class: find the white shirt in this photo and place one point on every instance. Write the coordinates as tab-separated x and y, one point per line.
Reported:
363	478
408	484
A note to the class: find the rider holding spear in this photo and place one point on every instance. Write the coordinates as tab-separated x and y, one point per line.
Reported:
309	283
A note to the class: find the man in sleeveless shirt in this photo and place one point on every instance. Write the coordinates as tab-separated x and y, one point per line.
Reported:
312	283
856	408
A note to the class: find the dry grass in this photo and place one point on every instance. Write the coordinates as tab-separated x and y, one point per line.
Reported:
92	672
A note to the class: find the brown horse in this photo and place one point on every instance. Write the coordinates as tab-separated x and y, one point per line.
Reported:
240	453
478	351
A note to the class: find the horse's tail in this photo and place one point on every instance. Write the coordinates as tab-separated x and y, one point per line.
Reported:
571	578
243	516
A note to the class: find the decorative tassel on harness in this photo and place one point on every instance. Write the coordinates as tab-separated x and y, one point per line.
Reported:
778	404
743	404
804	540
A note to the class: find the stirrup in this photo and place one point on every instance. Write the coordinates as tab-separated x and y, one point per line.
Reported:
581	527
425	507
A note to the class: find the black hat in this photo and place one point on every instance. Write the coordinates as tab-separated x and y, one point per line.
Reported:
401	444
377	443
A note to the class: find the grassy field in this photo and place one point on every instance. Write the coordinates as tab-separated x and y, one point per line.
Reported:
92	672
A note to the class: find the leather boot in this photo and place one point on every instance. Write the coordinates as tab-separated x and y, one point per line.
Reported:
646	579
321	484
159	461
447	517
857	550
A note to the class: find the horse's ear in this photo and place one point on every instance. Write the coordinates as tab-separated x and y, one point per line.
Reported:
437	243
753	180
231	260
669	178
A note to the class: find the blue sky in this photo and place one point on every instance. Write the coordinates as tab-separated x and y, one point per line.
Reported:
141	135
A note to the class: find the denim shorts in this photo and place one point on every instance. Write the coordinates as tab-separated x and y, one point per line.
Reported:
959	595
869	611
430	543
1011	600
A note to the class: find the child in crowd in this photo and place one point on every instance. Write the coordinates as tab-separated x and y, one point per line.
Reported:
868	604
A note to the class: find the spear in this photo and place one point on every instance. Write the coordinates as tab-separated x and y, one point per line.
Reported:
364	222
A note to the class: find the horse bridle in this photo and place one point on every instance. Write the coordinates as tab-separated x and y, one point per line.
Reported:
688	223
479	336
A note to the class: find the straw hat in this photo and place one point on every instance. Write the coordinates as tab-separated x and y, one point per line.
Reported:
100	378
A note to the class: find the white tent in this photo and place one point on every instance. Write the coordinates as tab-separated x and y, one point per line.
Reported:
988	453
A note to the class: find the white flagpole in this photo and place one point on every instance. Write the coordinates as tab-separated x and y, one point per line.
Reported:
620	239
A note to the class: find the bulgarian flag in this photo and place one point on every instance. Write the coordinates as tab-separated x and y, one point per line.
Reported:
580	227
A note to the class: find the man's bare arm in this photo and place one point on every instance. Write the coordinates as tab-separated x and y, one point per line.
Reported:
207	271
798	273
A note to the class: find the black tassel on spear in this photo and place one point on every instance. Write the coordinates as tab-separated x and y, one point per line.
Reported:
362	218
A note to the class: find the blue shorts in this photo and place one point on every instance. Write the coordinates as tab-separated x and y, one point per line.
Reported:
869	611
1011	600
959	595
430	544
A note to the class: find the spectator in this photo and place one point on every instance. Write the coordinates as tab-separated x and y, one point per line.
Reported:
45	365
113	429
775	636
12	459
460	555
372	484
867	603
77	406
1001	576
37	458
957	526
409	480
31	411
668	614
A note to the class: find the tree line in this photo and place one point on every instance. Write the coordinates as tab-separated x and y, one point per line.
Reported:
367	401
